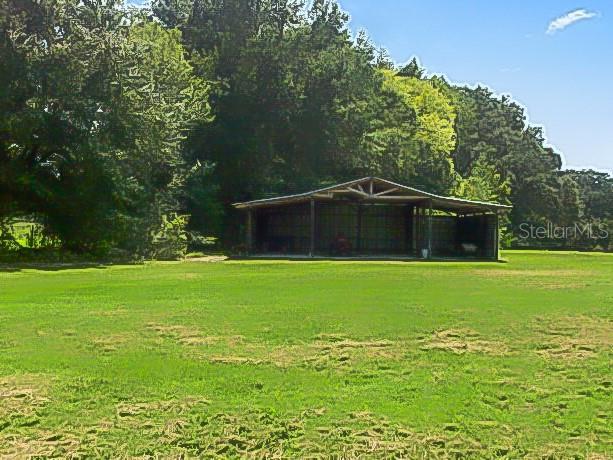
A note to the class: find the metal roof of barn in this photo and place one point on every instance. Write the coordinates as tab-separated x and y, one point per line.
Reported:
377	190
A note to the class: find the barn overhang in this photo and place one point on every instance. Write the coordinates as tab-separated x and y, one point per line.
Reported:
376	190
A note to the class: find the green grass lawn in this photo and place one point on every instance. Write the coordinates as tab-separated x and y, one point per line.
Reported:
310	358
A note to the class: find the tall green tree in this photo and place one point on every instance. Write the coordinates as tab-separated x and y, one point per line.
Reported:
157	99
484	184
414	134
292	102
95	104
493	130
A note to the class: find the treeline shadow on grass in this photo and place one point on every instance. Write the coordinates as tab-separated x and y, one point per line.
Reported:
50	266
56	259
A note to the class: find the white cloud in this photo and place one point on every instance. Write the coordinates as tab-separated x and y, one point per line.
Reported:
569	18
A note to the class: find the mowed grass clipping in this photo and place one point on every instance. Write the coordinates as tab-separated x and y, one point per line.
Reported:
294	359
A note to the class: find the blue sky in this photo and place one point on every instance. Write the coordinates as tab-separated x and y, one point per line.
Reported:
563	78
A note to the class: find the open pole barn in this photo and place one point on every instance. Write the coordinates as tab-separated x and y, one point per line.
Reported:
371	218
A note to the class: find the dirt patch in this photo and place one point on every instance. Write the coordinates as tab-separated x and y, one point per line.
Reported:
343	350
207	259
22	395
161	416
333	351
573	337
127	410
44	444
364	435
235	360
460	341
152	420
596	456
181	428
254	434
262	434
109	343
558	450
339	341
325	351
185	335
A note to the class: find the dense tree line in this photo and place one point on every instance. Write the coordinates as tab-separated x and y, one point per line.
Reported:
133	130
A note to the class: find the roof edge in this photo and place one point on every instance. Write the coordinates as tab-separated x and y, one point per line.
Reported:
299	196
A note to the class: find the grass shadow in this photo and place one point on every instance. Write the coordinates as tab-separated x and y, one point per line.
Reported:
304	258
51	266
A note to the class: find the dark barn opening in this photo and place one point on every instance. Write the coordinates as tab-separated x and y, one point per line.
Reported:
372	217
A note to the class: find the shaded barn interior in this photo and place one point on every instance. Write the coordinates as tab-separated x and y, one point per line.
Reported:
371	217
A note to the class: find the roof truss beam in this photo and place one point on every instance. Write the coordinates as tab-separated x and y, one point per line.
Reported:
385	192
359	192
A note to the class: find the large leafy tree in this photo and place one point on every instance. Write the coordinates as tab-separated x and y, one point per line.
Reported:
589	202
484	184
156	99
413	133
493	130
56	62
95	103
596	190
293	98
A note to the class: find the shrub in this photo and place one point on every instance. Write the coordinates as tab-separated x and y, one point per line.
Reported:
170	240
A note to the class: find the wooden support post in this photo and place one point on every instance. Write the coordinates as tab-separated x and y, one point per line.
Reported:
408	229
430	229
312	249
483	222
417	230
358	243
249	231
496	235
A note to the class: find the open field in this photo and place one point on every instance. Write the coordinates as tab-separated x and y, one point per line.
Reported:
323	358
